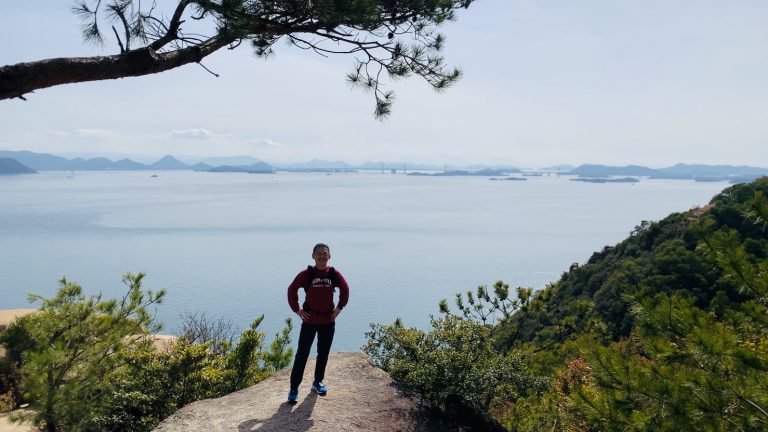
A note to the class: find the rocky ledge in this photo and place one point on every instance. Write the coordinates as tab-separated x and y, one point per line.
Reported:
360	397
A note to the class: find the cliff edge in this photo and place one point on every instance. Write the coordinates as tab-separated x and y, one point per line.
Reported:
360	397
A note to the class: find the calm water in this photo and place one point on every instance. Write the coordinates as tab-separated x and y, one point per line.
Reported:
230	243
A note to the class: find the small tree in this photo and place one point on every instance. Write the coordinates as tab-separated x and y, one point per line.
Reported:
245	360
484	306
506	316
249	363
280	353
77	347
198	328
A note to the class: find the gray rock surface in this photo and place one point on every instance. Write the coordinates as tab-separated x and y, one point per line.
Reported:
360	397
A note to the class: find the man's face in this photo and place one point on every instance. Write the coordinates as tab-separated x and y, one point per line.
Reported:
321	256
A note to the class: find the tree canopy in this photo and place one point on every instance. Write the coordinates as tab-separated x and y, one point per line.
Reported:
387	38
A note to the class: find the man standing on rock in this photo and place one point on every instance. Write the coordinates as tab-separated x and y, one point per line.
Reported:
318	316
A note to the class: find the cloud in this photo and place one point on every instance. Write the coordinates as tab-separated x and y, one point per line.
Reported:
93	133
263	142
197	134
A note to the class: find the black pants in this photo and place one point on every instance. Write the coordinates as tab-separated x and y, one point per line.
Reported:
306	337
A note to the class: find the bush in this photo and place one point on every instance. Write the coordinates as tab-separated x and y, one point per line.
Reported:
455	359
156	384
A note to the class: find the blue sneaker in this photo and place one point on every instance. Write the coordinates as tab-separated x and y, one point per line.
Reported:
293	396
319	388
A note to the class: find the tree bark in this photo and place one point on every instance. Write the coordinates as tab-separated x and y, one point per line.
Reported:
19	79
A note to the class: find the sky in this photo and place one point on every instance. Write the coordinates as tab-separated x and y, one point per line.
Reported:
652	82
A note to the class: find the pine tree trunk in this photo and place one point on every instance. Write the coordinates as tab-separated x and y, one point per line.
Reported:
50	413
19	79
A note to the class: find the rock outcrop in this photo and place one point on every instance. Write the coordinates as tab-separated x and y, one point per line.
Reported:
360	397
7	317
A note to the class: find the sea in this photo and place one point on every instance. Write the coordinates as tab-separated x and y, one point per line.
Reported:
227	245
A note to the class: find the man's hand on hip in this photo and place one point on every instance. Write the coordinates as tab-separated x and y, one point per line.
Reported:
304	315
335	312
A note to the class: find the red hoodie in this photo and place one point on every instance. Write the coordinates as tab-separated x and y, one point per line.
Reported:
318	298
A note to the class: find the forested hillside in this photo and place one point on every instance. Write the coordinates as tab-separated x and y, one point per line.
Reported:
658	257
667	330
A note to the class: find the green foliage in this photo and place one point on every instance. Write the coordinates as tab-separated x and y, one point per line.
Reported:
89	364
455	358
246	359
685	368
507	317
76	348
658	257
280	353
681	370
666	331
16	339
387	38
156	384
747	271
249	363
482	305
554	409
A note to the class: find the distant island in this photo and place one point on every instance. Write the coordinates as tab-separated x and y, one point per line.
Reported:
49	162
169	163
257	168
10	166
487	172
702	173
606	180
591	173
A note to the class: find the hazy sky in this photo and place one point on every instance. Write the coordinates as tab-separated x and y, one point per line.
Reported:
650	82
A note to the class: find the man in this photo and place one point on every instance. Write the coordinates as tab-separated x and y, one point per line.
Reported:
318	315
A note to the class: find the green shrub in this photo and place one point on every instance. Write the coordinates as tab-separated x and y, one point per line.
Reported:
153	385
455	358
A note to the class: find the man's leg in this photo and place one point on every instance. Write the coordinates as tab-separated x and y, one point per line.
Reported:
324	341
306	337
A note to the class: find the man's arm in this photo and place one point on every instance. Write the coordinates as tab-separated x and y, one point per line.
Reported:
343	295
293	295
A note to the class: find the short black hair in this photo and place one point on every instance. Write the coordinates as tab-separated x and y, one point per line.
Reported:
320	246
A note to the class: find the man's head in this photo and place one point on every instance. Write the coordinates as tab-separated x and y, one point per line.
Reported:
321	253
